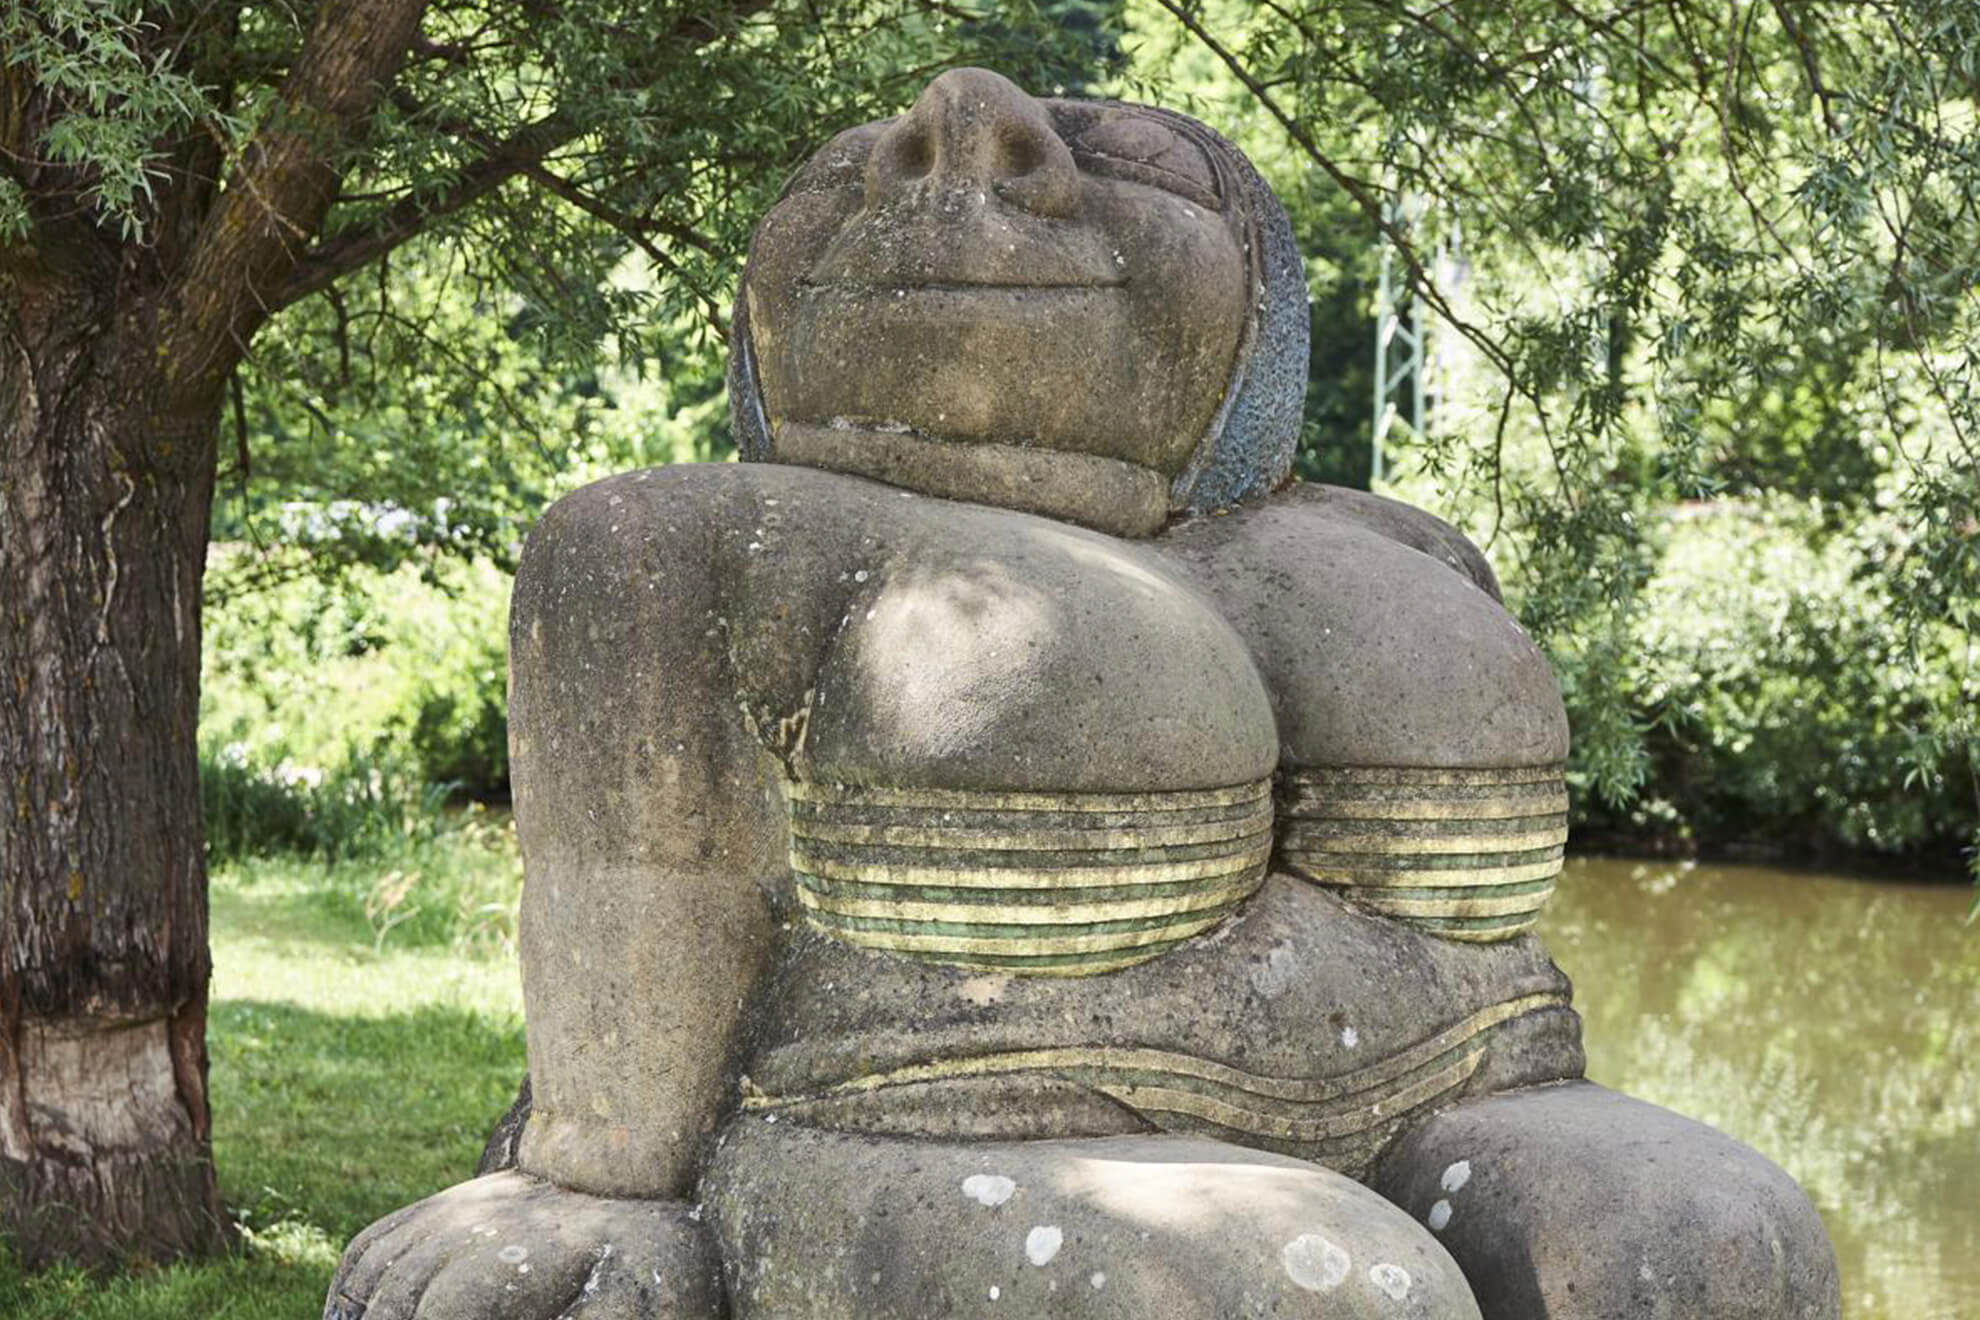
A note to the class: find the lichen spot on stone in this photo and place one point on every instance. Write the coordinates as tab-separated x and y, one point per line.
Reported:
1393	1280
1440	1215
1316	1264
1350	1037
983	990
512	1254
1098	1279
1456	1176
995	1292
1042	1243
991	1189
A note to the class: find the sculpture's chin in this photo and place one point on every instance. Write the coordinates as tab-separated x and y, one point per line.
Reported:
1107	494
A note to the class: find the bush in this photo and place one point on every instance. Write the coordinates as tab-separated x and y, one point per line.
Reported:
363	679
1782	705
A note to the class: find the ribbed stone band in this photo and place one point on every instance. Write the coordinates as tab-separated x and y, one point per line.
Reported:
1466	854
1053	883
1320	1117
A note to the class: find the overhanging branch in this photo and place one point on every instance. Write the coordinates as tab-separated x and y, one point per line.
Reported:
342	253
277	193
1363	196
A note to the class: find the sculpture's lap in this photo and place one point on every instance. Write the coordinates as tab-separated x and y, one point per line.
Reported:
511	1247
814	1224
1572	1202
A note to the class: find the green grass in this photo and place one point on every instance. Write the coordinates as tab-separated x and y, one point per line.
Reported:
349	1078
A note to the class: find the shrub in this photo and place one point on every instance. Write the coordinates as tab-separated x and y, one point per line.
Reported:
1781	704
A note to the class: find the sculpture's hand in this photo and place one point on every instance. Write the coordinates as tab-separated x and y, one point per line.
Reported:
512	1247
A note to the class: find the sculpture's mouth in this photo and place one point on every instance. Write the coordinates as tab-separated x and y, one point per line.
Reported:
987	248
860	318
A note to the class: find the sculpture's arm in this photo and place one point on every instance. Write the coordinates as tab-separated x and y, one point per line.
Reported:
650	828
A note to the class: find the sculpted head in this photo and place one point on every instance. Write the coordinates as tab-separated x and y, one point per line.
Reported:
1081	308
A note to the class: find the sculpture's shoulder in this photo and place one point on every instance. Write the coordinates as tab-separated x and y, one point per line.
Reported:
1311	502
1380	631
709	506
985	648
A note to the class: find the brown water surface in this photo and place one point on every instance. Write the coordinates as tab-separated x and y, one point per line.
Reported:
1831	1023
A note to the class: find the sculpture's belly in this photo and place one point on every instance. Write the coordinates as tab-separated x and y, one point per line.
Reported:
1300	1025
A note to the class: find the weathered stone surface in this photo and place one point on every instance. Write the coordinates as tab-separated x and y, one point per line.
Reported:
510	1247
649	831
1141	1228
1376	653
1402	523
682	640
1301	1025
1106	494
1571	1202
994	650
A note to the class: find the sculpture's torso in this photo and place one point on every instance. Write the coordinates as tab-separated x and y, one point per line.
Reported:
1036	782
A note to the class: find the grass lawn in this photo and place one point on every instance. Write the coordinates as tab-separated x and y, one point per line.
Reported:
347	1081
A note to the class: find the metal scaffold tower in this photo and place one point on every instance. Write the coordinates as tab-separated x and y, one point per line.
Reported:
1403	356
1399	346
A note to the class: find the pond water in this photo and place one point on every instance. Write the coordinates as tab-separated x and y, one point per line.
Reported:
1831	1023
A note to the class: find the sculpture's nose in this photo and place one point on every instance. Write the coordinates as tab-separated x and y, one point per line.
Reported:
974	130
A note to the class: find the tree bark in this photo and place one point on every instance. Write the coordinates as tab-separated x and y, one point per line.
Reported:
114	358
104	498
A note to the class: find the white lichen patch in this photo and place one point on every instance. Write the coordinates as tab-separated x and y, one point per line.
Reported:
1457	1175
983	990
1393	1280
1098	1279
1440	1215
1042	1243
1315	1264
512	1254
1350	1037
991	1189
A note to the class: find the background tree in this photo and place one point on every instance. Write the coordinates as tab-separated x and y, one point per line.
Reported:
173	176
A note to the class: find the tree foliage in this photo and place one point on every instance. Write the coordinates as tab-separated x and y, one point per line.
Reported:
1709	251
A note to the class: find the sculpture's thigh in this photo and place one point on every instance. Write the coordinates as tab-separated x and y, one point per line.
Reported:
1572	1202
814	1224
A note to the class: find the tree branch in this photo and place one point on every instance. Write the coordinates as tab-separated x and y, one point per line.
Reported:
277	193
352	249
1810	66
623	221
1358	190
520	153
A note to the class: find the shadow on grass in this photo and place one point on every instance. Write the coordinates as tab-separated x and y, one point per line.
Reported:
322	1123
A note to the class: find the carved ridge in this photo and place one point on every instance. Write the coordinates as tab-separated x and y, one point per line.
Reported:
1042	883
1467	854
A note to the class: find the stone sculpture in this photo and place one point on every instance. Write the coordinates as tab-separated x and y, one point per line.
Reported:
1000	851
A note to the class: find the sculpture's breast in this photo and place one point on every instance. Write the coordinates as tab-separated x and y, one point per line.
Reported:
1003	652
1030	747
1422	734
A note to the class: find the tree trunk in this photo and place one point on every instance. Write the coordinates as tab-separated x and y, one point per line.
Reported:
104	497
